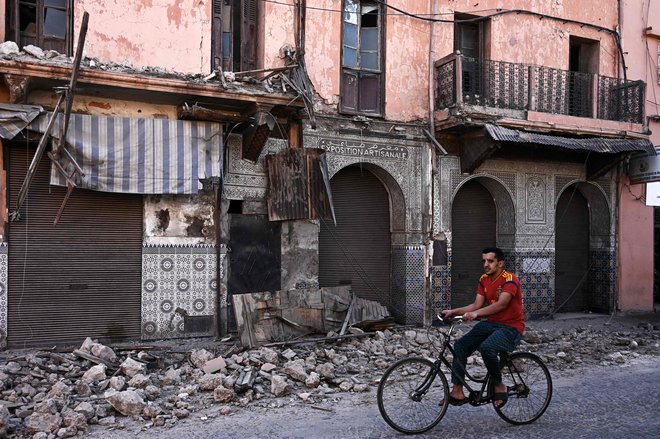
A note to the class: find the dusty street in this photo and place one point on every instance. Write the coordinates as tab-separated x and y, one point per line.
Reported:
605	372
596	402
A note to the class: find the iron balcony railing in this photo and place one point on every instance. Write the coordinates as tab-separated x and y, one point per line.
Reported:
499	84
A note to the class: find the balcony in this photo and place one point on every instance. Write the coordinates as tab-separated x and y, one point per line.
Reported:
521	89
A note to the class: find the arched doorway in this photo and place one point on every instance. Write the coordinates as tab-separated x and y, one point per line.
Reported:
572	251
357	250
474	225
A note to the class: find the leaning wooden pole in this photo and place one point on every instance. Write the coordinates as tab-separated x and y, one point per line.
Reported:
68	95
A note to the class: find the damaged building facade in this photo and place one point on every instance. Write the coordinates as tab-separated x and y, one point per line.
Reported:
242	146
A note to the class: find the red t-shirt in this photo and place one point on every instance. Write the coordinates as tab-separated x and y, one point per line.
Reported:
506	282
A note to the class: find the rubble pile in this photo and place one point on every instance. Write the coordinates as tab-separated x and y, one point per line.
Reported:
49	394
30	53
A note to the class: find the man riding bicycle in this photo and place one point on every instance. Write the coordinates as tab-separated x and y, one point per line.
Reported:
499	298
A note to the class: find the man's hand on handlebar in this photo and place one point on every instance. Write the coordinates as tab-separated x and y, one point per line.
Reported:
445	314
469	316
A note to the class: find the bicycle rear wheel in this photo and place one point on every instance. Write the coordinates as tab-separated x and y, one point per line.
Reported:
413	395
529	387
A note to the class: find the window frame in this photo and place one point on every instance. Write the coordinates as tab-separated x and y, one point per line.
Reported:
243	19
40	39
359	72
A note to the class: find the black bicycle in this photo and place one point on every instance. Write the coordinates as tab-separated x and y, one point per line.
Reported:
413	394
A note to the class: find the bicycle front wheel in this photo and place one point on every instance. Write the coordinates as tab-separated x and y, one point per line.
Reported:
529	387
413	395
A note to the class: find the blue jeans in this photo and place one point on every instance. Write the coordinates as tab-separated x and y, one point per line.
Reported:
490	339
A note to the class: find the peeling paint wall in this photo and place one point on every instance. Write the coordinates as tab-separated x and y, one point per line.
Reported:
515	38
104	106
177	219
172	34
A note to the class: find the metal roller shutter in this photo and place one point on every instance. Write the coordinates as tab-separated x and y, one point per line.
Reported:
357	250
80	278
473	228
572	252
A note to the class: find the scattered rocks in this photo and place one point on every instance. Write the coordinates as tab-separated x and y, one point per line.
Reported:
61	395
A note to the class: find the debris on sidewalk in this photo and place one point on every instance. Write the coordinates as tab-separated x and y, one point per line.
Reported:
59	393
286	315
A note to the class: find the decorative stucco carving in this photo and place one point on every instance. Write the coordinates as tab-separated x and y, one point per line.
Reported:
535	199
17	86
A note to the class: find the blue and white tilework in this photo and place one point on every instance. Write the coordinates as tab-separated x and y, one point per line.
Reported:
178	280
602	279
408	280
3	295
441	285
536	271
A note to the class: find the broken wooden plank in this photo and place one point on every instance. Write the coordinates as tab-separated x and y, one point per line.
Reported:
93	358
348	316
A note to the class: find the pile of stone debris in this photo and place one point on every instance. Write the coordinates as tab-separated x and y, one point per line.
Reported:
57	393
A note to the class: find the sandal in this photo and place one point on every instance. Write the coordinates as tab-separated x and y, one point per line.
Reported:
458	402
500	396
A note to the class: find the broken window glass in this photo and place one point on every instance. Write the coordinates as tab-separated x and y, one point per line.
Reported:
55	23
28	17
44	23
361	53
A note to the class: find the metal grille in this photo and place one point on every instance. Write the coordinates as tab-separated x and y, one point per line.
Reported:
446	91
564	92
495	83
620	100
507	85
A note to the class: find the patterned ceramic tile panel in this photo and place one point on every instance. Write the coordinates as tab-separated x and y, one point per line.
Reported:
408	279
441	286
536	271
3	295
398	294
602	279
178	282
415	291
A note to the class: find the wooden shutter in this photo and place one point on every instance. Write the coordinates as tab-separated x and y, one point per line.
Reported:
249	35
216	35
349	91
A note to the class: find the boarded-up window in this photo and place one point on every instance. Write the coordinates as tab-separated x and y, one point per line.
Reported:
43	23
362	57
234	34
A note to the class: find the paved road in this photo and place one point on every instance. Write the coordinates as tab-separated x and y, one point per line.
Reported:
602	402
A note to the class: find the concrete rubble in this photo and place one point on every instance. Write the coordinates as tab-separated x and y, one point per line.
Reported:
60	393
9	50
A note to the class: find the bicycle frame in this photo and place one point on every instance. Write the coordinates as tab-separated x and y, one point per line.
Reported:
480	397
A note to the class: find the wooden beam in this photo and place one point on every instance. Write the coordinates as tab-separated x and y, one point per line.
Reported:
476	147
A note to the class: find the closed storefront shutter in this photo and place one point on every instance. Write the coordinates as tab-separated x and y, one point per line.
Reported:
473	229
79	278
358	250
572	252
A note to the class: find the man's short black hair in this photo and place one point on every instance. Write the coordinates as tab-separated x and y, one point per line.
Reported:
499	254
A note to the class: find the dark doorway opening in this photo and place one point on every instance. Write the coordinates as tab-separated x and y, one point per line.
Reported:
254	258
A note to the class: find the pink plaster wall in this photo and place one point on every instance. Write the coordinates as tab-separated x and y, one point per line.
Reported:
172	34
635	250
514	38
635	225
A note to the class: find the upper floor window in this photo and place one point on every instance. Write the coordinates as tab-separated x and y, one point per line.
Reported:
234	42
362	84
43	23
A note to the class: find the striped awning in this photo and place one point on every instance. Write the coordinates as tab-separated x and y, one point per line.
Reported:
14	118
143	156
